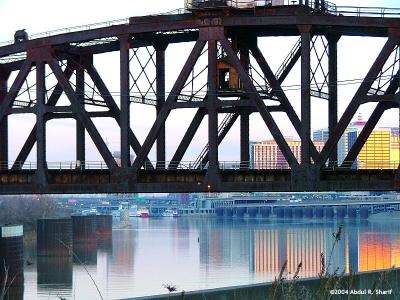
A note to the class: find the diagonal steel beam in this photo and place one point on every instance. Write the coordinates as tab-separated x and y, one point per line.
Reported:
187	139
357	99
276	86
265	114
221	136
371	124
31	140
15	87
82	115
112	105
289	66
166	109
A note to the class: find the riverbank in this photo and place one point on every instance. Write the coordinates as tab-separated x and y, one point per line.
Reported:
367	285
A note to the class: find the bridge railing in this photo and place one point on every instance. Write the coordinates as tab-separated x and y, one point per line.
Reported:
194	165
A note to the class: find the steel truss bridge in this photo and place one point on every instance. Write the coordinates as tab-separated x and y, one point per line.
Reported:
236	80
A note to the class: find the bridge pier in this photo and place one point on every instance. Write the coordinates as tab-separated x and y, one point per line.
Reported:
364	212
54	237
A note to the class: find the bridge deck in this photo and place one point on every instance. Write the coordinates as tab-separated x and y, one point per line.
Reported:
102	181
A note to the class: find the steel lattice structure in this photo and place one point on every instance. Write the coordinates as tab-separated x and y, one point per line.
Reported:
238	81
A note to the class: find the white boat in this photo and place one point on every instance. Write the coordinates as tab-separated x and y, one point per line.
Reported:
170	213
133	211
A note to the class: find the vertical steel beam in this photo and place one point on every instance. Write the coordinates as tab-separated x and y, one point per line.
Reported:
244	117
212	109
160	84
4	123
333	94
40	123
125	101
80	130
244	141
305	94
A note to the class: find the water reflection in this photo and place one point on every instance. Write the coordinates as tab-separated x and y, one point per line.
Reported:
206	253
54	274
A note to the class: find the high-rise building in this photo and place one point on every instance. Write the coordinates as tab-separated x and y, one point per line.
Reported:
376	152
267	154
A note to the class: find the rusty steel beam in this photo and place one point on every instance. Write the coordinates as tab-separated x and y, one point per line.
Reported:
80	130
333	93
160	87
285	25
265	114
4	124
166	109
40	175
212	110
305	136
83	116
124	42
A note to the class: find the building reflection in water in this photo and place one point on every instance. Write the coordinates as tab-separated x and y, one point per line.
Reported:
266	246
300	244
379	246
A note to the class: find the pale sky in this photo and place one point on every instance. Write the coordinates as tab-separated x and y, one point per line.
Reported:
355	57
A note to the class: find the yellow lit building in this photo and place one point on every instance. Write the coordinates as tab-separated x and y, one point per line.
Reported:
376	153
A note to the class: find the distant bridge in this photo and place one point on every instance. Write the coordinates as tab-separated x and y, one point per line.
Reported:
235	81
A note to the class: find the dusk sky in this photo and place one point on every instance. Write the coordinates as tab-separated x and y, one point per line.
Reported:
355	58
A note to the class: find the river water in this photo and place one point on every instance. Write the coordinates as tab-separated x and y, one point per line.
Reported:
201	253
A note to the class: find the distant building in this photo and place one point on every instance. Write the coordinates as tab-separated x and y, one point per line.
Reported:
267	154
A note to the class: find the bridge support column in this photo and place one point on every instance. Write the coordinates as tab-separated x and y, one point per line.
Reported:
244	141
333	95
160	82
244	116
125	100
305	94
4	123
80	129
212	172
40	176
